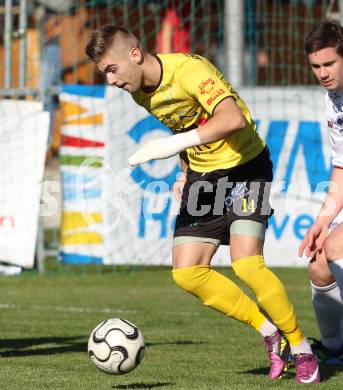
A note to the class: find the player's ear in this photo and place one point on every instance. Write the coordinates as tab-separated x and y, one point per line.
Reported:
136	55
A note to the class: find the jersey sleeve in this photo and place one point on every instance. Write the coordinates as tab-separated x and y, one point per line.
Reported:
203	82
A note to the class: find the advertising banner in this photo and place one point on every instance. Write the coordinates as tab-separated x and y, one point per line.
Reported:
114	214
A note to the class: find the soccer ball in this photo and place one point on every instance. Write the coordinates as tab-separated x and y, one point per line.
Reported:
116	346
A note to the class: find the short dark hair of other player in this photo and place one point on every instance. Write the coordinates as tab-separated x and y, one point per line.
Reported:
325	34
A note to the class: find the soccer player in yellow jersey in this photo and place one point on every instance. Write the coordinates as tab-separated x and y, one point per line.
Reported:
224	186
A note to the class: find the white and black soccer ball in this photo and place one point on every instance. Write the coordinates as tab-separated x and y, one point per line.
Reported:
116	346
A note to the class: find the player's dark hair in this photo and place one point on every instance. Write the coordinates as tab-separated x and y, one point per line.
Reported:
102	39
325	34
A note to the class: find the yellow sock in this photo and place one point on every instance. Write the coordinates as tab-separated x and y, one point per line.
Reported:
219	293
271	294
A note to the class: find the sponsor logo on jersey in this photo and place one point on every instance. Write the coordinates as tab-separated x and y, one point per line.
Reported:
168	90
168	120
339	123
206	86
217	93
203	153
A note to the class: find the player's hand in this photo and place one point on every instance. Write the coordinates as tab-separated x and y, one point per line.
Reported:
314	240
165	147
178	186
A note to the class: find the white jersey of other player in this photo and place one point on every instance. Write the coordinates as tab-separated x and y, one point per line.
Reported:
334	114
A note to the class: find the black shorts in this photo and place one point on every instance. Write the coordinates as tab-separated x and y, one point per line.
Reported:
212	201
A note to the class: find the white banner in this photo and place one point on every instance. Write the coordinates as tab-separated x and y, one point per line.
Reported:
119	215
23	138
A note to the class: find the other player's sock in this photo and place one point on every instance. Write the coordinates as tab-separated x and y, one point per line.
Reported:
271	294
328	307
220	293
336	267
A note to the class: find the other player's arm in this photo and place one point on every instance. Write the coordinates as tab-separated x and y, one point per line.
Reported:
332	205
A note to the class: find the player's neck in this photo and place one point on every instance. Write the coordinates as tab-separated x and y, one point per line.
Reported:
152	72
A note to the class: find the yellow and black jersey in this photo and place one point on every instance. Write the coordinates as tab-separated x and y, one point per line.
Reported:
189	90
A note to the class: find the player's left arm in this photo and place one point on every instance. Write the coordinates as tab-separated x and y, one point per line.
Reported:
161	148
227	118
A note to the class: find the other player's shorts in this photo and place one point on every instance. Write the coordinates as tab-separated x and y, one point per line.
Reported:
214	201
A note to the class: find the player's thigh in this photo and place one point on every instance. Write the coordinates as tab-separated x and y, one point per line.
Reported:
319	271
246	239
333	246
191	253
196	237
196	240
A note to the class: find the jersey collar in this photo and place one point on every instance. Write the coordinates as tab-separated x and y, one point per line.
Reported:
153	89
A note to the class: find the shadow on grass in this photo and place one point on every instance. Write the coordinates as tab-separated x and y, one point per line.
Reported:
326	372
265	371
56	345
256	371
177	342
34	346
143	385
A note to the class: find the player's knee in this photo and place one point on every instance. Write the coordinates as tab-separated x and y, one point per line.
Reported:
191	278
248	268
333	248
255	275
320	274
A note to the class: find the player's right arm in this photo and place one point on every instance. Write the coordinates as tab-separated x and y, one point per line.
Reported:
333	204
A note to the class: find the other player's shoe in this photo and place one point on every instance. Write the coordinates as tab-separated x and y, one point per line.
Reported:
306	368
278	350
325	355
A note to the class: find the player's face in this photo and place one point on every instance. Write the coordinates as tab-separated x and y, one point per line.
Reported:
122	70
327	66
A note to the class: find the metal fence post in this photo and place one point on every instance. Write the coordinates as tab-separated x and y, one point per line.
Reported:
23	40
234	41
8	44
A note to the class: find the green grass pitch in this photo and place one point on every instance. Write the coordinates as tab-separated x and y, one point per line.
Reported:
45	322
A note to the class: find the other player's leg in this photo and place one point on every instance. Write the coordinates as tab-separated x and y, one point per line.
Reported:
328	307
333	249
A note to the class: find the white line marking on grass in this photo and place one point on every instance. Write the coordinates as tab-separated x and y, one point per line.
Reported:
66	308
92	310
7	306
88	309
